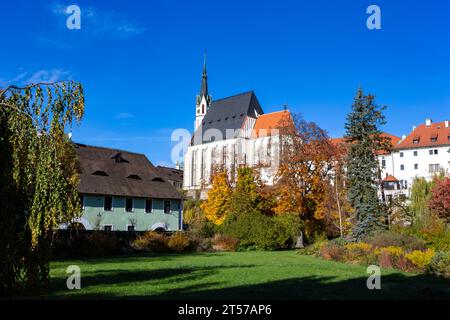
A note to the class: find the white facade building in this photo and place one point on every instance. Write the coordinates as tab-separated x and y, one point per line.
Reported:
230	133
423	153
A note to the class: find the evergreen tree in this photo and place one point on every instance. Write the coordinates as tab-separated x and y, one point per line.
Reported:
364	139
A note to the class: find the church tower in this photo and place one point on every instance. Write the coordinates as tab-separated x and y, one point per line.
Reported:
203	100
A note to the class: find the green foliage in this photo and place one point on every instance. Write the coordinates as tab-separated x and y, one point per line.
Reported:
390	238
420	195
440	264
38	177
364	139
257	231
245	197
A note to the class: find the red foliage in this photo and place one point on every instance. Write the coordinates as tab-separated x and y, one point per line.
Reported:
440	199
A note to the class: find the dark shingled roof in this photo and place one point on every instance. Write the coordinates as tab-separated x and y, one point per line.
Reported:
228	113
171	173
121	168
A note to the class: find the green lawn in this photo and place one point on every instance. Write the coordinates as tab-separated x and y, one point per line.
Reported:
236	275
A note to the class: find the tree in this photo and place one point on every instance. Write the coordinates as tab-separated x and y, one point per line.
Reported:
38	177
305	162
364	139
217	206
245	197
420	196
439	202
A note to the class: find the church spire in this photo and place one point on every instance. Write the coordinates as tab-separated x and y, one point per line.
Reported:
203	99
204	85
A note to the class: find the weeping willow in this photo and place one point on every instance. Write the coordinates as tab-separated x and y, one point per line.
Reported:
38	178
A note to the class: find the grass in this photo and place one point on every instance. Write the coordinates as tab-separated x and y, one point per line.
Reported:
236	275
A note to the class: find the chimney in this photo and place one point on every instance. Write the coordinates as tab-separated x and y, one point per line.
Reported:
177	166
446	123
414	128
404	136
428	122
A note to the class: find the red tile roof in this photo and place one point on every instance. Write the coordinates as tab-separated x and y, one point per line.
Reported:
394	140
427	136
390	178
268	121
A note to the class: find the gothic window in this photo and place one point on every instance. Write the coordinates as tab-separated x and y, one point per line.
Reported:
203	108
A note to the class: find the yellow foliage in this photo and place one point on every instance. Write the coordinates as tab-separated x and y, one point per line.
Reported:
217	205
392	250
359	246
421	258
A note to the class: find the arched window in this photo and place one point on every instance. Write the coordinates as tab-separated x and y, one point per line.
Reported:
203	108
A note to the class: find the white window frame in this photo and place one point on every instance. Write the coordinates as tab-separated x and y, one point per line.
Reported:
164	206
108	224
125	205
112	204
145	206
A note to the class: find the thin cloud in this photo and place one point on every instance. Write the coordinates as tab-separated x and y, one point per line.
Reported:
49	76
123	115
15	80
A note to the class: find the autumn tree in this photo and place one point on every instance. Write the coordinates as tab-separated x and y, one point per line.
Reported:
217	206
364	140
439	202
245	197
305	162
38	177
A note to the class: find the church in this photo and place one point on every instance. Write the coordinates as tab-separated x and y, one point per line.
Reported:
230	133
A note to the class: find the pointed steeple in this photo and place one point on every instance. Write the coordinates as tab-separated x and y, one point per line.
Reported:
204	85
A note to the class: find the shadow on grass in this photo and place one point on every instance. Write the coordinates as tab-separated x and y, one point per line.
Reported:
393	286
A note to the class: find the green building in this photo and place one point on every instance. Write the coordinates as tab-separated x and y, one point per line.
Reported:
123	191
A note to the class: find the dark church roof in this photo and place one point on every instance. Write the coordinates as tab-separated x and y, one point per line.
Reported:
228	113
106	171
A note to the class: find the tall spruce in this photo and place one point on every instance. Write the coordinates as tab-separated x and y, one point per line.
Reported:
364	138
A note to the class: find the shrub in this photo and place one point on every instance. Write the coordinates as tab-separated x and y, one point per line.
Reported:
394	239
222	242
100	244
151	241
313	249
391	257
440	264
421	259
178	242
360	252
257	231
333	251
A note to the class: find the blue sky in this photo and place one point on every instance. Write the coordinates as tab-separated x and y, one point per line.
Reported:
140	61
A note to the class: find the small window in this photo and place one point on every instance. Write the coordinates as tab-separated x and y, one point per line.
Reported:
130	228
166	206
433	139
148	205
134	176
383	163
416	141
436	151
100	173
129	204
158	179
448	138
107	204
402	167
416	166
108	227
430	152
401	154
415	153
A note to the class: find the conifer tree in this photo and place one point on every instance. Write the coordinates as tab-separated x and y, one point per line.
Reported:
364	138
